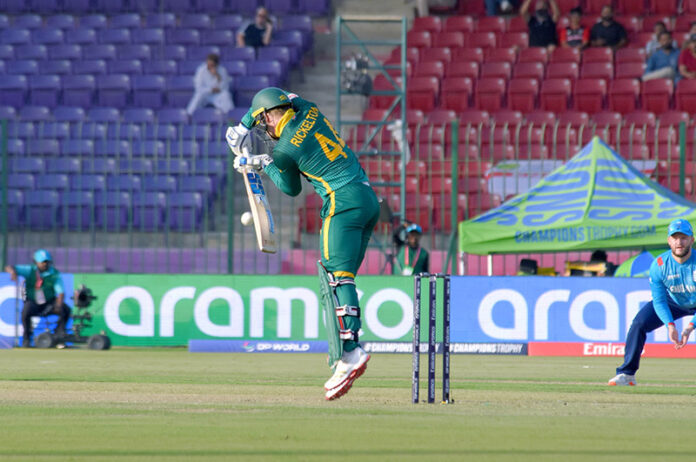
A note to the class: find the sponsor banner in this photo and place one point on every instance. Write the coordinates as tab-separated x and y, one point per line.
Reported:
255	346
655	350
528	309
455	348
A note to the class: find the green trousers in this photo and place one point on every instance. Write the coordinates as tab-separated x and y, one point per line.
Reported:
350	214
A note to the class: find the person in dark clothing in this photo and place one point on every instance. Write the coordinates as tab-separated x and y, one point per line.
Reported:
258	33
575	35
607	32
542	25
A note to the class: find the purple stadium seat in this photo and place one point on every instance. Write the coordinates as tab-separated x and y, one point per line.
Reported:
210	6
81	36
218	37
54	130
177	6
197	183
100	166
292	39
69	114
196	21
187	150
23	67
280	54
152	36
4	21
272	69
54	181
113	90
201	52
183	37
77	148
47	36
128	132
173	166
7	52
246	87
175	52
314	7
35	114
21	181
172	116
65	51
212	168
41	209
112	210
7	112
195	132
89	182
149	211
28	21
28	165
139	116
163	20
77	210
76	6
15	209
59	21
112	149
15	147
228	21
161	132
301	22
236	67
128	183
160	67
104	114
2	67
238	54
111	6
24	130
148	91
67	166
179	90
106	52
93	21
45	6
125	66
90	67
42	148
149	149
185	211
208	115
31	51
114	36
135	166
44	89
188	67
247	8
125	21
159	183
134	52
14	6
78	90
280	7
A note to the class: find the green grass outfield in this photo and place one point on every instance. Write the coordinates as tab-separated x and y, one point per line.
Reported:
168	404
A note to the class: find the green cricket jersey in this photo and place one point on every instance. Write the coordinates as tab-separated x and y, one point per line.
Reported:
49	282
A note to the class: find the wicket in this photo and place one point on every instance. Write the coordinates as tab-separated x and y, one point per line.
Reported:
432	321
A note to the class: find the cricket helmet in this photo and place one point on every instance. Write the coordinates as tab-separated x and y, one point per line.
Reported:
267	99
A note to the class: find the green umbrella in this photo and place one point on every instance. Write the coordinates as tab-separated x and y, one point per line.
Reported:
638	266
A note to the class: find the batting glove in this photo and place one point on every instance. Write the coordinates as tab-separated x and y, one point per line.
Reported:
237	140
257	163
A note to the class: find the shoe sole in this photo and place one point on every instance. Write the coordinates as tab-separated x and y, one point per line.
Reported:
348	383
349	376
614	384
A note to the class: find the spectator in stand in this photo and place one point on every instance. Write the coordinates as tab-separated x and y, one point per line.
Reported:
493	6
653	45
258	33
664	62
575	35
211	85
687	60
607	32
542	25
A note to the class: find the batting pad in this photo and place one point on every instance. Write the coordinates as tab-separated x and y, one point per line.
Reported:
330	303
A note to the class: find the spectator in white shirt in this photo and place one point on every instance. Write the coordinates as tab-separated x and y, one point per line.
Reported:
211	86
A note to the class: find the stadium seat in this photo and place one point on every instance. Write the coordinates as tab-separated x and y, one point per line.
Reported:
597	70
13	90
630	70
102	51
630	55
597	55
507	117
489	94
481	40
427	23
640	119
623	95
531	70
555	95
522	94
533	55
41	209
590	94
449	39
514	39
463	69
422	93
657	95
23	67
124	66
475	118
562	71
469	55
667	7
459	24
689	6
499	70
419	39
508	55
517	24
456	93
565	55
490	24
427	69
674	118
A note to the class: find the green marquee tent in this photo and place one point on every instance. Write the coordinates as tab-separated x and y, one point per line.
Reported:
596	200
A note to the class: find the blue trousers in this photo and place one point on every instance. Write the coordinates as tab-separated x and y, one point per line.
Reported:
645	321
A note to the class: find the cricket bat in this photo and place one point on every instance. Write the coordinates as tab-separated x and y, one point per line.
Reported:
260	211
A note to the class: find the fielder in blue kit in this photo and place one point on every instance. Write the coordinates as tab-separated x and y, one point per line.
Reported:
673	287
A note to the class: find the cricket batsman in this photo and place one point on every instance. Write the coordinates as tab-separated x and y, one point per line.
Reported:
673	287
308	146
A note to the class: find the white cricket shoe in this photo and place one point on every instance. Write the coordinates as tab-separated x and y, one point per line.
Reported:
623	380
351	366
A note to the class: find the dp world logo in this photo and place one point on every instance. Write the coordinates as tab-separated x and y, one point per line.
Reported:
248	347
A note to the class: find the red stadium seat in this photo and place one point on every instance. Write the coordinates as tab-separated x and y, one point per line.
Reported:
590	94
682	23
633	151
573	119
430	68
522	94
469	54
657	95
623	95
449	39
412	55
514	39
685	97
422	93
381	83
414	116
427	23
490	94
419	39
630	55
594	6
631	23
529	70
499	70
642	39
508	117
636	7
674	118
630	70
507	55
606	119
495	153
668	7
597	71
463	69
689	6
565	55
475	118
395	71
597	55
441	116
459	24
569	71
481	40
566	5
640	119
490	24
603	124
443	54
533	55
517	24
479	203
649	21
471	185
555	95
456	93
541	118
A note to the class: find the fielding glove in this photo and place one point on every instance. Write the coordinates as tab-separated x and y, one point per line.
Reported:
257	163
239	143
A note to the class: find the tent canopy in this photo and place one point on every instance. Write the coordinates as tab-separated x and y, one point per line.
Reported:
597	200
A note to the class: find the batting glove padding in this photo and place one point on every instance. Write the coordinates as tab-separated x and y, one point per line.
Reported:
258	163
239	143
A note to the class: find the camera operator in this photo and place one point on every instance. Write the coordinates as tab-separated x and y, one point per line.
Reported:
44	293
